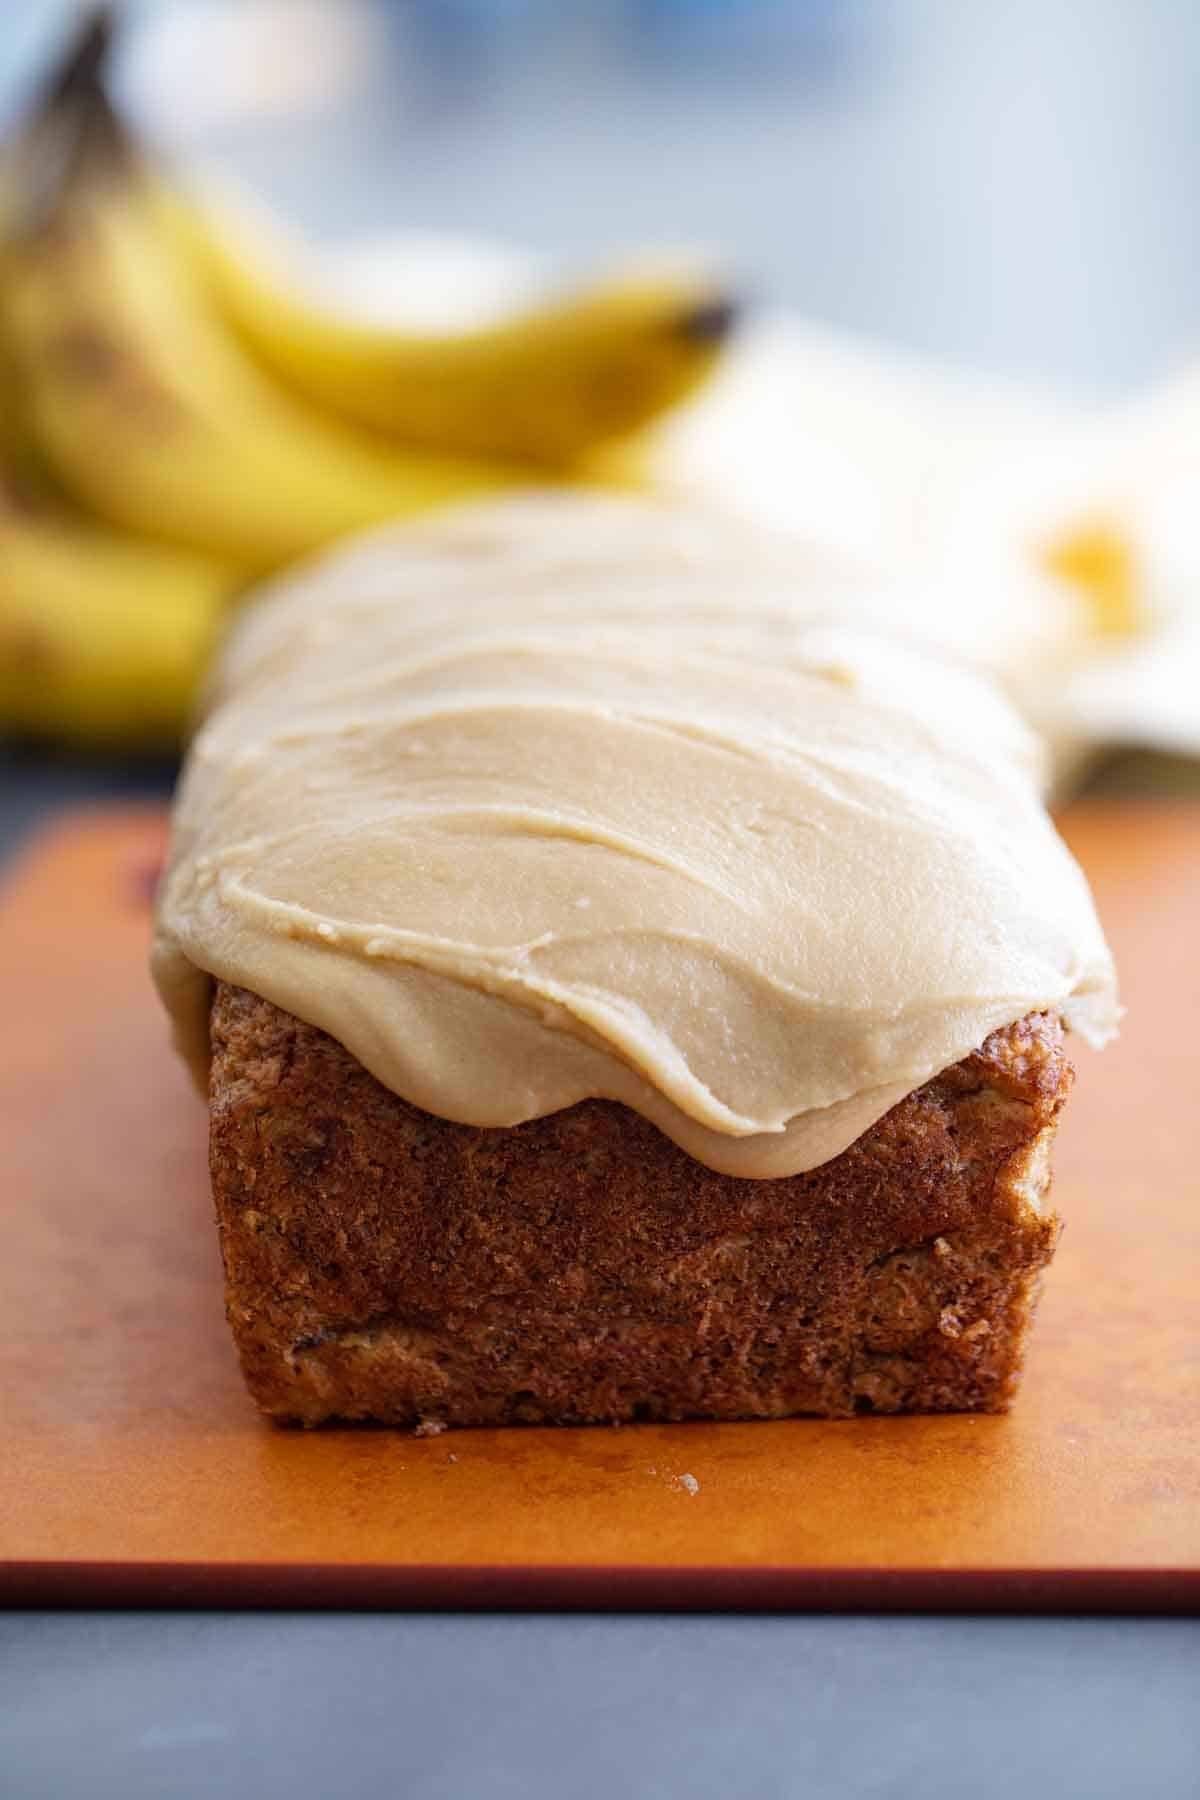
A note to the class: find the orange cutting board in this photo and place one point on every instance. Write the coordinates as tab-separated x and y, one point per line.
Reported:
135	1470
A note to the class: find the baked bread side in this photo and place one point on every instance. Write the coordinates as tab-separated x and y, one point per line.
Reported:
385	1264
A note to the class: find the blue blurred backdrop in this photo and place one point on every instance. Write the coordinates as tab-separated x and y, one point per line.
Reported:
1012	186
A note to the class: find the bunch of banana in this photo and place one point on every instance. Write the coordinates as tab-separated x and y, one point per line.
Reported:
149	410
207	427
548	387
102	635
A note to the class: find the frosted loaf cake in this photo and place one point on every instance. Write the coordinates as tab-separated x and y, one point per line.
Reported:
622	990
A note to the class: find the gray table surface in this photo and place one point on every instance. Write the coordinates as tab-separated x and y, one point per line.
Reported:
161	1707
1012	186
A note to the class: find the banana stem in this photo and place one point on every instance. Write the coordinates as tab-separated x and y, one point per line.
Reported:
84	62
72	128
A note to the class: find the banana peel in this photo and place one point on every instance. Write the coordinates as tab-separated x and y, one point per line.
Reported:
157	452
153	418
103	639
547	387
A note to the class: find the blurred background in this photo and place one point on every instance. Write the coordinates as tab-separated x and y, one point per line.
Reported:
1009	188
1012	186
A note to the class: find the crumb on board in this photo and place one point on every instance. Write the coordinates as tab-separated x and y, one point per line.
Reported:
679	1484
429	1428
451	1458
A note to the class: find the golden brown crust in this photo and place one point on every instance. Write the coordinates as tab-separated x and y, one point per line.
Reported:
385	1264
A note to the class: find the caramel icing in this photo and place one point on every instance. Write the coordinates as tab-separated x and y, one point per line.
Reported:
569	796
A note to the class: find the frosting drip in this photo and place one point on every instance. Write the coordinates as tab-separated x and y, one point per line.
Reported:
573	796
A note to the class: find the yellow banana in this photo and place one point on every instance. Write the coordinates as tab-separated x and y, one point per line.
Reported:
18	451
11	433
546	387
103	639
148	409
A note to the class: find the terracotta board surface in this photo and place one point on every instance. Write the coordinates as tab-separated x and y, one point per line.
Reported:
134	1468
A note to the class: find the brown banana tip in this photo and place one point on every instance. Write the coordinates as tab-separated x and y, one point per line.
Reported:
85	59
711	322
71	129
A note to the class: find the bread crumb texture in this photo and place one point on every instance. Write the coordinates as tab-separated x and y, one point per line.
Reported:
384	1264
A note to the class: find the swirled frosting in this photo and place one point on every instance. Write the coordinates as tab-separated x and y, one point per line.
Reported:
571	796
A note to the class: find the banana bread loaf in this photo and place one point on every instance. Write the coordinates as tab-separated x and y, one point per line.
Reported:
622	990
